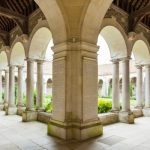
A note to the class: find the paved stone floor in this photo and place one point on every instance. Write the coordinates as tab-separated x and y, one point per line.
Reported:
16	135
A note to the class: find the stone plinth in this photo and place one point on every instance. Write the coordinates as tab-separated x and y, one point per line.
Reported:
29	116
108	118
146	112
20	110
11	111
78	132
137	112
126	117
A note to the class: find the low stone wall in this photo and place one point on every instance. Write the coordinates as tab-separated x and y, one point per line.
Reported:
44	117
137	113
108	118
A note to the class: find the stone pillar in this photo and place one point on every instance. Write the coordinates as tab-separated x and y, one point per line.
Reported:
20	86
75	78
30	85
6	90
11	102
40	86
139	85
29	114
115	86
146	110
20	91
1	100
125	115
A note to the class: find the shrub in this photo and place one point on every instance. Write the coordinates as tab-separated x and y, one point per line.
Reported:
104	106
48	104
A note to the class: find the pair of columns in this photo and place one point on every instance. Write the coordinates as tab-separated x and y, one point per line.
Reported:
30	85
11	102
125	86
6	87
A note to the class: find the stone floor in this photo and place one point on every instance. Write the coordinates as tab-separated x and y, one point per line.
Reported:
15	135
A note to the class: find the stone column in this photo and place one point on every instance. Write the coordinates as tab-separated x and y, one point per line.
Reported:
146	110
115	86
147	86
6	90
20	86
40	85
30	85
75	78
11	103
139	85
1	100
29	114
126	115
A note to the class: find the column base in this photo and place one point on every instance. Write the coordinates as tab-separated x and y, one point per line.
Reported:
20	110
29	116
70	131
126	117
11	111
1	106
5	106
137	112
146	112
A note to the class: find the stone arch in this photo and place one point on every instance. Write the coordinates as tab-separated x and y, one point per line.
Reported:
141	50
93	19
3	60
112	32
39	40
54	18
17	56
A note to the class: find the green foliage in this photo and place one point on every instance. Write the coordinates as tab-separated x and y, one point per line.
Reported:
104	105
131	90
16	94
48	104
3	95
34	96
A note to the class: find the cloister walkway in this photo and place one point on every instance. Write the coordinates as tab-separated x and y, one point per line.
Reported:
16	135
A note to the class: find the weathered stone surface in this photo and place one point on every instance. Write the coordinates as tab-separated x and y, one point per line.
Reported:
126	117
109	118
29	116
11	111
137	113
44	117
146	112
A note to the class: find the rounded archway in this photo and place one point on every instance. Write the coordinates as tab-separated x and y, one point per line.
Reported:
112	35
40	42
141	52
3	60
17	57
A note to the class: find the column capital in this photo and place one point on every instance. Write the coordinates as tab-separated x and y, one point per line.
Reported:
40	61
124	59
20	67
30	59
11	66
147	65
138	66
115	61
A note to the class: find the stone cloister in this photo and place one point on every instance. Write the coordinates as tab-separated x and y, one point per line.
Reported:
73	27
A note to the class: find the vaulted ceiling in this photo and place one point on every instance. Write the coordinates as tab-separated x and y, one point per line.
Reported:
138	10
14	7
